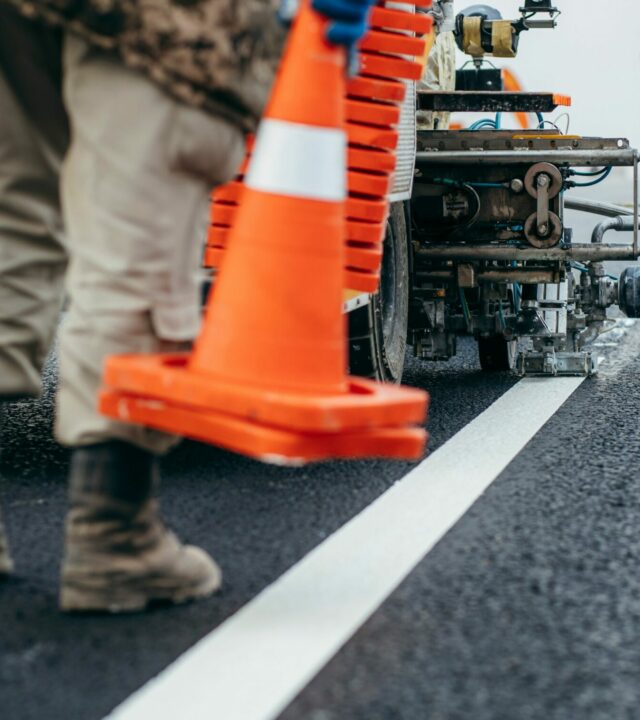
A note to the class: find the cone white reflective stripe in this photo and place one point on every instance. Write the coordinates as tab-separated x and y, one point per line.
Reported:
300	161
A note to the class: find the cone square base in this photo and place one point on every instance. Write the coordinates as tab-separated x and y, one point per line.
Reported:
264	443
362	405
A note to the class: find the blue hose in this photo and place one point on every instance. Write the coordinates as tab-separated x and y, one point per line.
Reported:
603	176
485	122
591	173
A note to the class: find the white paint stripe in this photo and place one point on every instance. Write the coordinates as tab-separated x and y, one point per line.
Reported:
299	161
255	663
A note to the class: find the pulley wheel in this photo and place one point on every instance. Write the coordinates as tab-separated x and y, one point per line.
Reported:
551	239
555	177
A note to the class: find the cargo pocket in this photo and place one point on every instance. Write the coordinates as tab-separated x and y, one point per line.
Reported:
176	313
203	151
205	146
176	320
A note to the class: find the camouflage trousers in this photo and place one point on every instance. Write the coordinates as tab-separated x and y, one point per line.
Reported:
134	185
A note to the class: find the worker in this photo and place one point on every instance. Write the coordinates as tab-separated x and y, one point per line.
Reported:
440	68
148	104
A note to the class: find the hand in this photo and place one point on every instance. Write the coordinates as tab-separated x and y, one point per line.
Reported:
349	19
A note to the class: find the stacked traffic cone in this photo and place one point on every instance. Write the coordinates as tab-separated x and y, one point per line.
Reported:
374	101
225	201
268	376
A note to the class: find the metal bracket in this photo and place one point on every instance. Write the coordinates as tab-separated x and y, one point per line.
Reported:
550	363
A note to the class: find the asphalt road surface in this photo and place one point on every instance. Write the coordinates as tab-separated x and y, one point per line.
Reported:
528	608
524	605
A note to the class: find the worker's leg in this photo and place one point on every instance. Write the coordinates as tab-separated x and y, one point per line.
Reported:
439	74
32	256
135	192
136	184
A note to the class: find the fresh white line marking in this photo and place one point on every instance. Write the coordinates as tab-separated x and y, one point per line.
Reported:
254	664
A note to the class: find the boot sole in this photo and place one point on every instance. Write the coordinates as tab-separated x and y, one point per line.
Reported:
75	599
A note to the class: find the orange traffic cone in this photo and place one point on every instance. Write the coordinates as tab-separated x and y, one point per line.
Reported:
268	376
373	109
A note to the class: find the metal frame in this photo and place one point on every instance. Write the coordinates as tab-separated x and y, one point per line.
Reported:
582	252
580	158
619	157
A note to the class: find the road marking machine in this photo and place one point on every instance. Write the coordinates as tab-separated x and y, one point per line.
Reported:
482	246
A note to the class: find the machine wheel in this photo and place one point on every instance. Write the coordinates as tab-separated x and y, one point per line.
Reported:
497	354
629	299
378	332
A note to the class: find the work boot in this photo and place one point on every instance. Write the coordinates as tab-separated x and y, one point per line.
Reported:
6	565
119	556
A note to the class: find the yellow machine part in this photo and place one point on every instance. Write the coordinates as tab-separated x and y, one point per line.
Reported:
472	37
502	35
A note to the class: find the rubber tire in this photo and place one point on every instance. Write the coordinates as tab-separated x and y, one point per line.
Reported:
629	299
378	331
496	353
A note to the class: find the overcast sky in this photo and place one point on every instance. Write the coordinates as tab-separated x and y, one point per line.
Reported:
593	55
